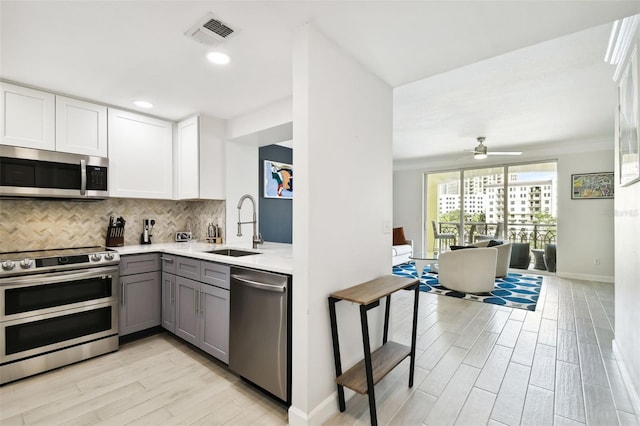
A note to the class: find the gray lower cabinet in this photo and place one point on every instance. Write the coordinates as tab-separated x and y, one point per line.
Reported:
194	309
187	318
169	301
140	293
214	326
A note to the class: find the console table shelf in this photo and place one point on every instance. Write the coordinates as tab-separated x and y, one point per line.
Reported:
365	374
383	360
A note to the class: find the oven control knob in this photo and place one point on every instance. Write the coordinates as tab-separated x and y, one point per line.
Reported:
108	256
8	265
26	263
96	257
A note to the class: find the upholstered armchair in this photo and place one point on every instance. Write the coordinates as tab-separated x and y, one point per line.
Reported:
504	257
469	270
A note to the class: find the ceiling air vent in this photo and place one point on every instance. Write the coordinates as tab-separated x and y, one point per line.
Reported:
209	31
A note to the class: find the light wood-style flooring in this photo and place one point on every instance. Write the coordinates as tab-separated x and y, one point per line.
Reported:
477	364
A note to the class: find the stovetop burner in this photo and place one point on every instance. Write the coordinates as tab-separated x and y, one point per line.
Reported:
50	260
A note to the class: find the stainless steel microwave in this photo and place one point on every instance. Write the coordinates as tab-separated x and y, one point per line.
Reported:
26	172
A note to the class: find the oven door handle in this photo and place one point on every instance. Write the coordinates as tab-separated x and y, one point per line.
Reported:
58	277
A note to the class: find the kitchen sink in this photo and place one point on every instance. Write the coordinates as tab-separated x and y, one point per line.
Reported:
232	252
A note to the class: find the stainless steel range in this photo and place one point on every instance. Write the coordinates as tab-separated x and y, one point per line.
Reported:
57	307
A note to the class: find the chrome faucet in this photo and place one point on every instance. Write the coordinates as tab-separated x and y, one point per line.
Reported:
257	237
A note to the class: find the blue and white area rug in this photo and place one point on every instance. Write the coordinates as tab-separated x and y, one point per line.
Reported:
515	290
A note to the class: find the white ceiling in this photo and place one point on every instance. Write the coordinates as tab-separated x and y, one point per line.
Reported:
517	72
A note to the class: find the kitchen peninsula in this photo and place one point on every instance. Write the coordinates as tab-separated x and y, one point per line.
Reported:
230	301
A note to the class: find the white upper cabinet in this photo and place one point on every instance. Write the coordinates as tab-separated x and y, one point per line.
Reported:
187	159
81	127
27	117
140	156
200	159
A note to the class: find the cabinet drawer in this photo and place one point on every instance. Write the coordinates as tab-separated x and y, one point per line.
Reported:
187	267
139	263
168	263
214	274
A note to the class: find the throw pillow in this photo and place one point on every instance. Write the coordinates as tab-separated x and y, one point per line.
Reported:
494	243
461	247
398	236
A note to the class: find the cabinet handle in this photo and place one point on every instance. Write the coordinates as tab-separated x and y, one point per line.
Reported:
167	259
122	291
171	292
202	305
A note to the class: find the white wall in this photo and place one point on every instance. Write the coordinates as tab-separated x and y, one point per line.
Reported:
585	227
342	152
242	178
270	116
407	185
627	272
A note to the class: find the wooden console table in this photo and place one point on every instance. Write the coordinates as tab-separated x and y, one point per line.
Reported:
365	374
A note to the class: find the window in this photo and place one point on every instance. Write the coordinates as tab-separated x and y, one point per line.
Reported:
462	201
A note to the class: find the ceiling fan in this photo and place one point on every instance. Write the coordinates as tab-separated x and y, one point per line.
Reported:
480	152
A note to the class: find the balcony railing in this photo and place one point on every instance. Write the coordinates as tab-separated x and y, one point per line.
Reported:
537	235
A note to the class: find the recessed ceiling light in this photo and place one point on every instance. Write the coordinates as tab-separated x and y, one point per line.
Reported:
218	58
143	104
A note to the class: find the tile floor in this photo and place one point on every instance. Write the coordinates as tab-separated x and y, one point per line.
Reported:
477	364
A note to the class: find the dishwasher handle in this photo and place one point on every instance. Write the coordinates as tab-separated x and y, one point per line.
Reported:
261	286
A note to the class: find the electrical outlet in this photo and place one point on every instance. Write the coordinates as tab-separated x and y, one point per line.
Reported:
596	260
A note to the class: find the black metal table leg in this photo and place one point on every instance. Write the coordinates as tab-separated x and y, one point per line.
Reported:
386	320
336	350
367	364
412	363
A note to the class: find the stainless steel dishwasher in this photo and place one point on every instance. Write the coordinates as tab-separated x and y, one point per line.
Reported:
259	330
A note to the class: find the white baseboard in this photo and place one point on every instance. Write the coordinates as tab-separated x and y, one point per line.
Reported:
626	378
586	277
319	415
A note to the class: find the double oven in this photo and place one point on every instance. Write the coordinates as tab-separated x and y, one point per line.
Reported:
57	307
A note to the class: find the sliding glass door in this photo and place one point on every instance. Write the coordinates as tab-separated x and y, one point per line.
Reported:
515	203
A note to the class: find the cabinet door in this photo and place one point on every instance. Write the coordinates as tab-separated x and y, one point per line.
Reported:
169	302
187	292
81	127
140	156
139	302
214	329
27	117
187	169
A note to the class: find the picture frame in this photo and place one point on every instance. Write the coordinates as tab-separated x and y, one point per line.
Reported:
592	186
629	122
278	180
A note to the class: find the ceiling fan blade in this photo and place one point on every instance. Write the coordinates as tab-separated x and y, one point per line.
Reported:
504	153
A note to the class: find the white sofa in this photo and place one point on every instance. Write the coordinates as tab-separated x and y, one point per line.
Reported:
401	253
468	270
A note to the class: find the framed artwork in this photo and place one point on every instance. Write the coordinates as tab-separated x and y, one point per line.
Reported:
278	180
628	139
590	186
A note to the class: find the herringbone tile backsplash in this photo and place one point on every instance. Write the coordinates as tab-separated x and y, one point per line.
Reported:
47	224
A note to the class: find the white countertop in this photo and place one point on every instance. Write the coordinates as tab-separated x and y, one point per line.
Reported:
274	257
